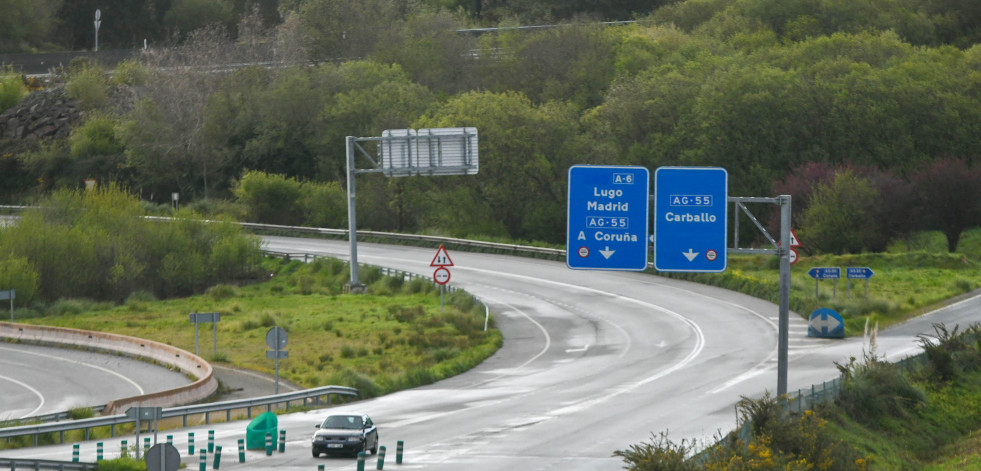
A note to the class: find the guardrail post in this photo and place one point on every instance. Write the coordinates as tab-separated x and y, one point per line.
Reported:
146	445
241	450
269	445
398	452
123	450
75	453
217	457
170	439
211	441
360	461
203	466
190	443
381	457
98	451
282	440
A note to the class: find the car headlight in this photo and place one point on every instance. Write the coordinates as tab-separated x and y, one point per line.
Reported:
354	439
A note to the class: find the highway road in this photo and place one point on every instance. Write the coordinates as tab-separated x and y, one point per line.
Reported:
592	362
37	380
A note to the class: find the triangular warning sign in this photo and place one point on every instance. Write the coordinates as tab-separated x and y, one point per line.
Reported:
442	259
793	239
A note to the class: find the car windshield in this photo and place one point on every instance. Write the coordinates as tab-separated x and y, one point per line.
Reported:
342	421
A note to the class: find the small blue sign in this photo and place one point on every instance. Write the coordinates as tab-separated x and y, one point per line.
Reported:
826	323
822	273
690	219
860	273
607	218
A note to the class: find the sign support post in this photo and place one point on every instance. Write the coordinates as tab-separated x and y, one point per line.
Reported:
9	294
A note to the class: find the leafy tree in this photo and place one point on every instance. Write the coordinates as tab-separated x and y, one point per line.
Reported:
837	219
188	15
26	23
346	29
271	199
572	63
949	197
523	167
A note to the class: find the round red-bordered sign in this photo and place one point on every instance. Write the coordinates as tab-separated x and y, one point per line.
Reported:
583	252
793	256
711	255
441	276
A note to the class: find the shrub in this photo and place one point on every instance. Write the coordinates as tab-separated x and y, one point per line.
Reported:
12	89
88	87
222	291
660	454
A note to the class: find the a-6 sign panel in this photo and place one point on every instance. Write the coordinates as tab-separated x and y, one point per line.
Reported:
607	218
690	206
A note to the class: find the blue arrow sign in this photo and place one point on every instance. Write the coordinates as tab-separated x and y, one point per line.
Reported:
821	273
825	323
690	224
607	218
861	273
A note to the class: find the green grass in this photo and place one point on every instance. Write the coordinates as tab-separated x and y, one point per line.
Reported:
906	283
391	338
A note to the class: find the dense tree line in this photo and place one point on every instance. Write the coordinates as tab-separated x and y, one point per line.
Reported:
96	244
869	120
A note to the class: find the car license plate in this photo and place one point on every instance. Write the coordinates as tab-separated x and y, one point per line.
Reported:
335	445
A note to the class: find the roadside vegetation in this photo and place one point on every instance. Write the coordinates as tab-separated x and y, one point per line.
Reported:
917	415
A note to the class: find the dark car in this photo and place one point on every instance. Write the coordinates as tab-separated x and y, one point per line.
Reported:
345	434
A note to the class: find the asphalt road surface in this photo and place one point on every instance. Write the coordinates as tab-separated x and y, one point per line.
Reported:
592	362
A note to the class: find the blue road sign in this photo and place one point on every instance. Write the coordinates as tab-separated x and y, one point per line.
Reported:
826	323
607	218
690	224
861	273
821	273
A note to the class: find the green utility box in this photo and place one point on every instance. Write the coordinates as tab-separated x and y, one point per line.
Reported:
255	433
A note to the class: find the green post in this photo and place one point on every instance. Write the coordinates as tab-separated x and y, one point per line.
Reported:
146	445
241	450
398	452
282	441
123	449
98	451
381	457
190	443
269	445
360	461
204	459
170	439
211	441
320	467
217	457
75	453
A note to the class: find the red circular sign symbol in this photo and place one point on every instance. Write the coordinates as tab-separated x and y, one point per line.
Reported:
583	252
711	255
441	276
793	255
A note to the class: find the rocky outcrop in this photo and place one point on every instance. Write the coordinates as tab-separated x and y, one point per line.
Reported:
42	114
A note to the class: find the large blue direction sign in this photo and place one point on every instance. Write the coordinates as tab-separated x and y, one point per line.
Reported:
607	218
821	273
690	223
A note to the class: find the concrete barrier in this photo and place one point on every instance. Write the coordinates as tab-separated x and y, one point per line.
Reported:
204	386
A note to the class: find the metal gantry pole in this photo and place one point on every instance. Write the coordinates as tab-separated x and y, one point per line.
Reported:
351	218
784	327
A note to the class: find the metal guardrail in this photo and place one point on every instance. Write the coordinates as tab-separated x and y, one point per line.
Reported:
36	464
183	411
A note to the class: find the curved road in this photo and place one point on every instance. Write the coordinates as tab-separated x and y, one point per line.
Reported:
592	362
38	380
